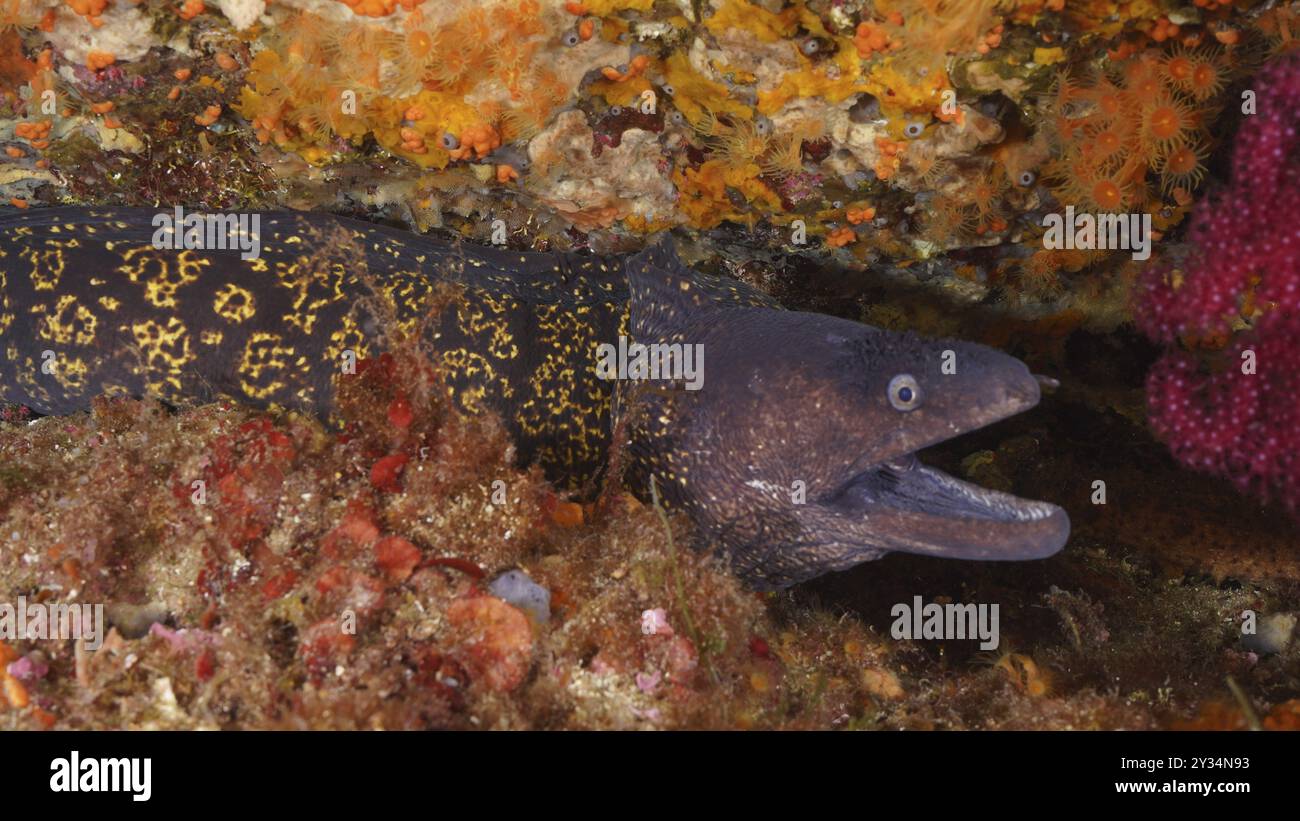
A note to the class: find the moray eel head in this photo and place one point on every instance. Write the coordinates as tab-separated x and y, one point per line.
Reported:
950	388
797	454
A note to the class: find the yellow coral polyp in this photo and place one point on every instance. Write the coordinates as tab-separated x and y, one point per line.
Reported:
320	80
624	93
696	96
704	193
420	140
767	26
932	29
1110	134
740	145
834	80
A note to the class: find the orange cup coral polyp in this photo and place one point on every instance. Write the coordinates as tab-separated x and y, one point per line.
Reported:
1145	115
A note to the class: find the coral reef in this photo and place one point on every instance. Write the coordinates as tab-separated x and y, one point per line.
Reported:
887	161
958	124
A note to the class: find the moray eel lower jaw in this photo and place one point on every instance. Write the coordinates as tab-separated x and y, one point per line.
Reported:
904	505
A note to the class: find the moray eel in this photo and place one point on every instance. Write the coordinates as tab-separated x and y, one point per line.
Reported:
793	458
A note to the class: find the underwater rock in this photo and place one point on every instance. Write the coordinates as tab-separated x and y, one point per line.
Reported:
755	116
134	620
515	587
495	640
124	31
242	14
627	179
1272	634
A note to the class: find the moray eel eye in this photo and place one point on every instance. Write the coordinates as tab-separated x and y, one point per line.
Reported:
571	38
1026	179
904	393
914	130
810	47
669	90
450	142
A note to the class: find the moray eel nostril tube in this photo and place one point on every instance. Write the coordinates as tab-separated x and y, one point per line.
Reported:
794	457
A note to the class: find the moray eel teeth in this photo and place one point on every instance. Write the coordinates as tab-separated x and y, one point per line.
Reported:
915	508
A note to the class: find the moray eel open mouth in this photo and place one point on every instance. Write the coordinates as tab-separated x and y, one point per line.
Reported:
915	508
920	509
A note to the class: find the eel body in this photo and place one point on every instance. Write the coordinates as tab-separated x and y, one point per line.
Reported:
793	457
